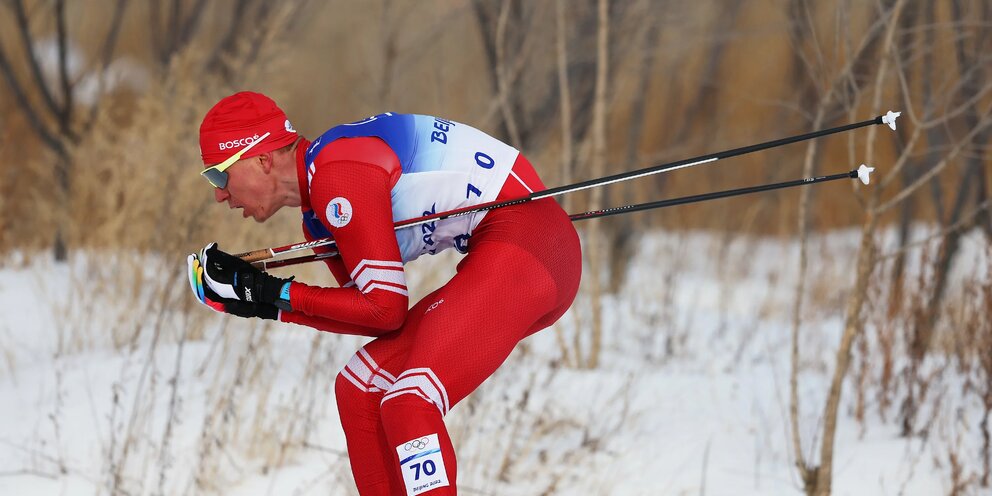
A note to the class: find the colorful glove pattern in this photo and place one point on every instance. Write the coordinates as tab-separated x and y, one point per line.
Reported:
207	296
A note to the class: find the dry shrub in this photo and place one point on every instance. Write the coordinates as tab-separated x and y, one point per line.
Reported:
26	209
972	346
140	190
906	366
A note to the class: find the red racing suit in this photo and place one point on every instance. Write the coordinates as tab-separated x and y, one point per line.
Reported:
520	273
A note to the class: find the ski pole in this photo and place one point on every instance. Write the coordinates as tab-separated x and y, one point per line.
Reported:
861	173
889	119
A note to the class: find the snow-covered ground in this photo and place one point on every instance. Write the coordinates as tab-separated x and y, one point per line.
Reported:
109	381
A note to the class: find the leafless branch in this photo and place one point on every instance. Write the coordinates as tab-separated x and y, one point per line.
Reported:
34	120
32	58
65	114
106	56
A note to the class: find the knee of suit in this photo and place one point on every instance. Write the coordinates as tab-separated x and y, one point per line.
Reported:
351	399
418	386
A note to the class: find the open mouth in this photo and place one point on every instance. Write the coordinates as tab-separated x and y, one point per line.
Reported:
244	212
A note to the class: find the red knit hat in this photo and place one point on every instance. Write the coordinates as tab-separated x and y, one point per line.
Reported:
237	120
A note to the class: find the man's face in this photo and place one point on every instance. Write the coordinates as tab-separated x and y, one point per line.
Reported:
250	187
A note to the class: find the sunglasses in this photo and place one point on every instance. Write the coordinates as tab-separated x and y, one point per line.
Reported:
217	174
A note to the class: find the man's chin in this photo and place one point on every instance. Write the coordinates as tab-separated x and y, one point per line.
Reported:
260	217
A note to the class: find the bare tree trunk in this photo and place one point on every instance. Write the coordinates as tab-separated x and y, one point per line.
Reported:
702	109
499	35
852	326
853	322
971	178
565	96
535	119
561	49
825	99
502	78
806	471
906	214
598	135
907	176
624	231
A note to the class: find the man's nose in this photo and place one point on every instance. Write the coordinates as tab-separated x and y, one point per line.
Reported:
221	195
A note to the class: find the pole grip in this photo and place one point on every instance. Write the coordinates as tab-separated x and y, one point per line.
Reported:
255	256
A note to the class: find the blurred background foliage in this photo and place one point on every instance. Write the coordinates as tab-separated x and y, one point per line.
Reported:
101	102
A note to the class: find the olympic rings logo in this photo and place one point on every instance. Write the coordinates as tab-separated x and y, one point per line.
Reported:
416	444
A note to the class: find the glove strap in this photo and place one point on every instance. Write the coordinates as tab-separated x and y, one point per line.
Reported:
282	302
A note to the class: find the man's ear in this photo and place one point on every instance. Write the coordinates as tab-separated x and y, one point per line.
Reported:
265	159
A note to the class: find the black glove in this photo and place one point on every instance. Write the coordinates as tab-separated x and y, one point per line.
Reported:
232	277
208	297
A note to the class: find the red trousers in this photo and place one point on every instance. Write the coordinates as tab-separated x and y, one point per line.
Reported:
519	276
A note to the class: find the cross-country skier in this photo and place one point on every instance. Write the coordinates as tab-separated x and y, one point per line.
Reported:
519	274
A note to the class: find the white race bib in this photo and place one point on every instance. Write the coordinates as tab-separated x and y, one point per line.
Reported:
422	465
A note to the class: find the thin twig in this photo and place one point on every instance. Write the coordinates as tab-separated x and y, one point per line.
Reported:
24	471
65	114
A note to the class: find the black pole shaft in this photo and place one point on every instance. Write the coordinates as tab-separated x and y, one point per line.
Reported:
708	196
602	181
713	156
671	202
